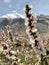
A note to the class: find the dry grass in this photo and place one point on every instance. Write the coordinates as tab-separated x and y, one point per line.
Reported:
22	53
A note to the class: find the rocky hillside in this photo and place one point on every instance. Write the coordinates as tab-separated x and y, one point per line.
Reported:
16	21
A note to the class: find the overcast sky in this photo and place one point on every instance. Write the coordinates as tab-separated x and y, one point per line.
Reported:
39	6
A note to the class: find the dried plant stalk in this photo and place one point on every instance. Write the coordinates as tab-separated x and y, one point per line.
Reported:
32	33
10	35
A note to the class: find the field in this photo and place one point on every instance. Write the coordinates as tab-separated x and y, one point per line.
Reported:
18	50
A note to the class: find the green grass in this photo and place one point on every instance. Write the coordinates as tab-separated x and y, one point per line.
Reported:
4	59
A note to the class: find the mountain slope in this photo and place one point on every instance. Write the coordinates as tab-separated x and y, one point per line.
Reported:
16	21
